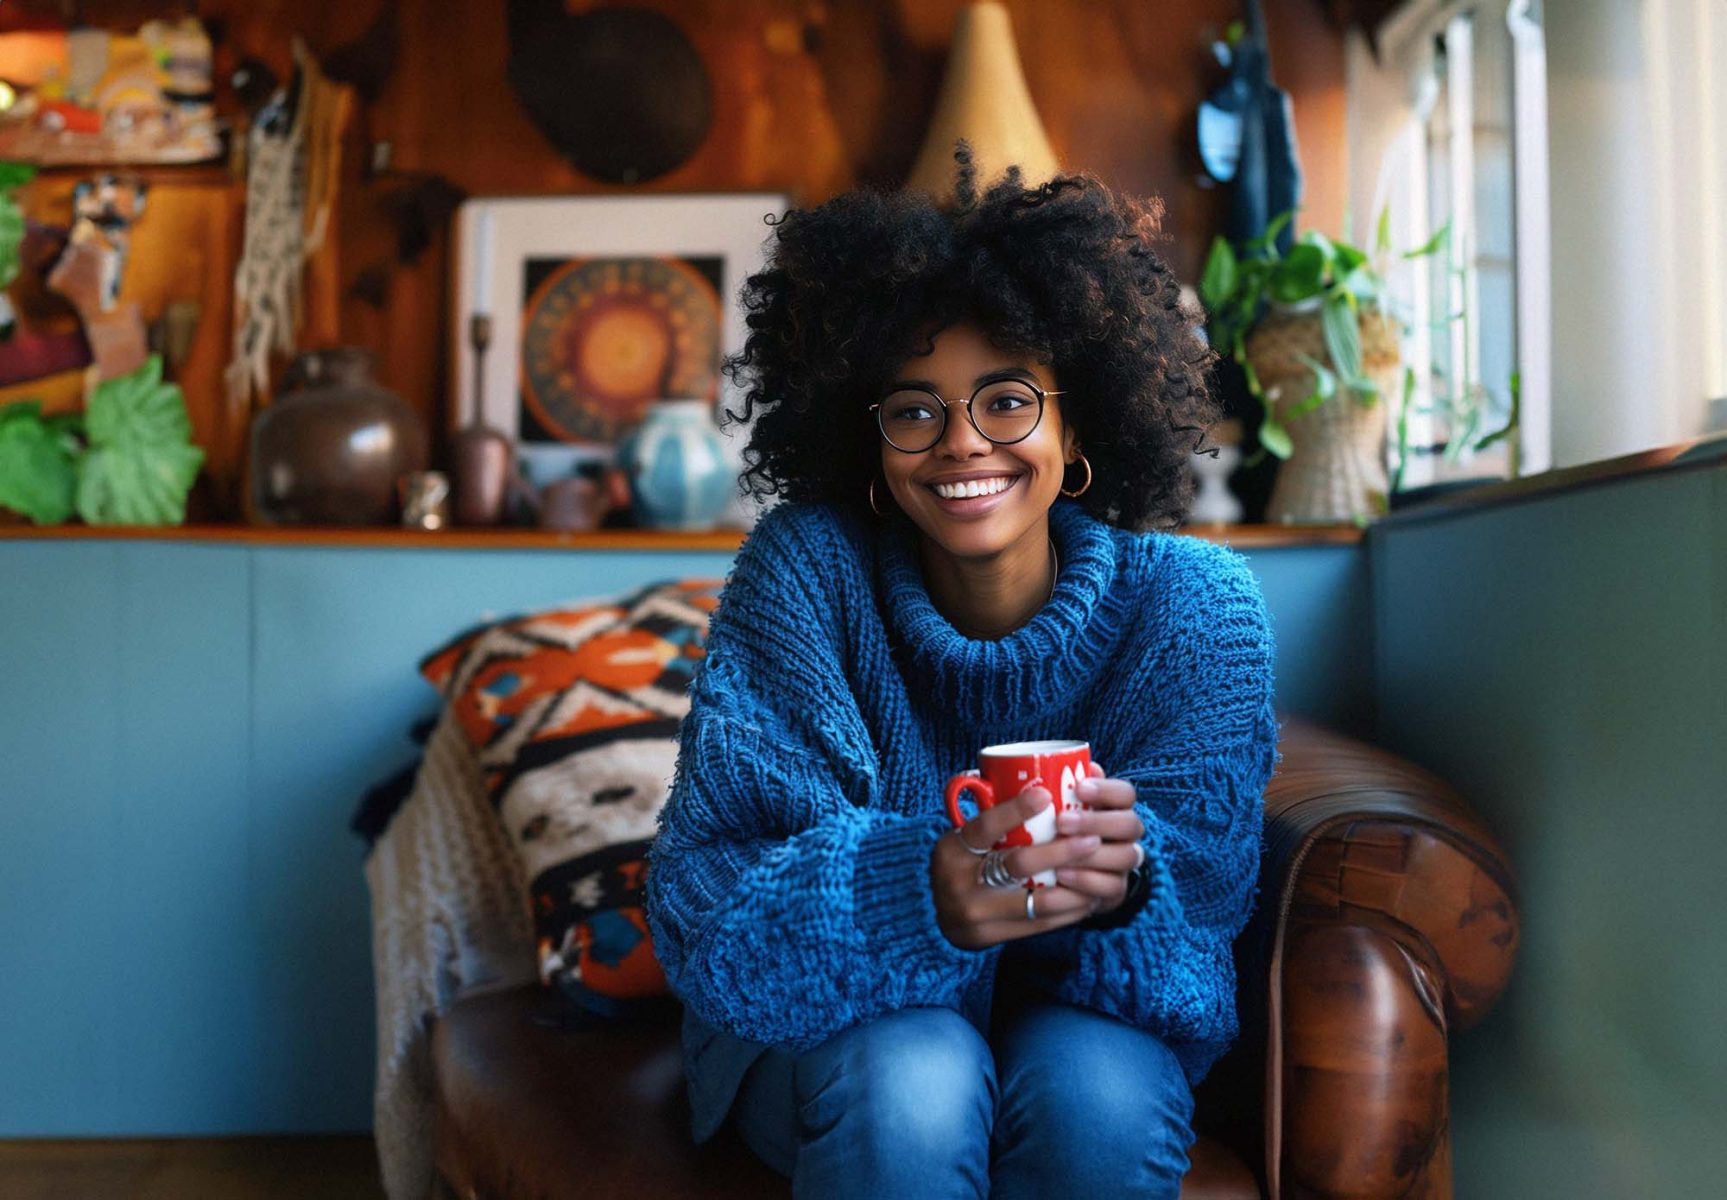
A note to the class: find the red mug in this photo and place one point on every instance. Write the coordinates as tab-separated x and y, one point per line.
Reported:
1006	770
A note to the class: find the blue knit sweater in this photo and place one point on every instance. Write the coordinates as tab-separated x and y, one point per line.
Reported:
788	888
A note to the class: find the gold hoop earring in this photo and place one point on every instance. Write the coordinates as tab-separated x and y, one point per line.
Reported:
878	512
1087	487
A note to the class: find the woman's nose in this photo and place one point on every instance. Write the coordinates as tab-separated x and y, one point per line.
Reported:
961	437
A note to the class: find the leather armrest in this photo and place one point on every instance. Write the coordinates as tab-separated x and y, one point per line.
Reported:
1356	835
1387	919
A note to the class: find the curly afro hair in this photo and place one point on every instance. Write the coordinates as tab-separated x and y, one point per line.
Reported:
1064	273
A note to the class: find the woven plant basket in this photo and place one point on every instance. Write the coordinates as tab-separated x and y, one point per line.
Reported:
1336	469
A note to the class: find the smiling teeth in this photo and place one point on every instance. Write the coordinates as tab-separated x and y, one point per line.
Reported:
972	487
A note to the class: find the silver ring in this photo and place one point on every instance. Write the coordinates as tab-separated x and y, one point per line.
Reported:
967	844
995	872
1141	848
1031	905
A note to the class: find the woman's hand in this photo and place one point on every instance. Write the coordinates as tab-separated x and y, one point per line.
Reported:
974	916
1102	876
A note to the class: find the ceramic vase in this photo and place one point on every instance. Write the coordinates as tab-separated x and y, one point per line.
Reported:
330	449
680	474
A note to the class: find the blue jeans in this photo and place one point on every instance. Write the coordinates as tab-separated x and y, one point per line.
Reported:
1061	1101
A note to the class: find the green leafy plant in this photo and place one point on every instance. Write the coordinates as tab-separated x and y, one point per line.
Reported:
1465	409
1237	288
1464	403
37	473
126	460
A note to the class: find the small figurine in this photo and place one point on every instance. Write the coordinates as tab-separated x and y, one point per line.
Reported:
88	273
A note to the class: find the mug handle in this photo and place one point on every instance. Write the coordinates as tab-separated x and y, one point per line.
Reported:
959	783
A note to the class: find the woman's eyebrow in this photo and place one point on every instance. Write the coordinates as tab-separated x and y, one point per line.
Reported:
986	377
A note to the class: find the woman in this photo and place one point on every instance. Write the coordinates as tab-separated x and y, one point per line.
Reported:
967	414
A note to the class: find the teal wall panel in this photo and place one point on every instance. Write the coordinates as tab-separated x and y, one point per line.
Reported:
1563	661
1319	598
123	938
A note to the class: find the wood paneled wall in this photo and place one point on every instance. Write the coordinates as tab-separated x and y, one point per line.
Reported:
810	97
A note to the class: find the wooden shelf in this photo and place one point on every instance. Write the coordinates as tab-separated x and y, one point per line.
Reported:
203	174
1708	452
542	539
1341	534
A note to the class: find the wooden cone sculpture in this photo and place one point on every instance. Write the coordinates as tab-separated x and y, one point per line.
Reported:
985	101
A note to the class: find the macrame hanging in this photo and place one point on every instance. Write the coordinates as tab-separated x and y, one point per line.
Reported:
290	172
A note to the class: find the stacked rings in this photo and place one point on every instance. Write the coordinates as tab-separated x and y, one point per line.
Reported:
995	872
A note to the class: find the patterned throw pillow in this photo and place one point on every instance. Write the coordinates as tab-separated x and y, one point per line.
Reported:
575	715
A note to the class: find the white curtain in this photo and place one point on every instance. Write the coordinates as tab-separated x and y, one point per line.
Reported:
1639	185
1686	43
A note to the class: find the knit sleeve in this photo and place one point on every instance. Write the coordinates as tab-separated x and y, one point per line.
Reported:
1200	771
783	909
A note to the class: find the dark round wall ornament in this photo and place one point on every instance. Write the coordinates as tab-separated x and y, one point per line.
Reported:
619	90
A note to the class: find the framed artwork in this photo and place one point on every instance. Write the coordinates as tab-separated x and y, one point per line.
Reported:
599	306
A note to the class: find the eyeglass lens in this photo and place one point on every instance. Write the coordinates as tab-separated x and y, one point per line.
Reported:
1004	411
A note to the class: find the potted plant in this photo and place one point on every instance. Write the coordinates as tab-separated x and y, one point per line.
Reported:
1316	339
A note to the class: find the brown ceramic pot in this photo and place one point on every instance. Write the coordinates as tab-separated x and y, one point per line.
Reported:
330	449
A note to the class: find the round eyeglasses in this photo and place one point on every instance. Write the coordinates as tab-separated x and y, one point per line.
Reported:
1004	411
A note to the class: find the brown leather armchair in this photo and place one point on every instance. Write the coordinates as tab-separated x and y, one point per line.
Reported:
1387	921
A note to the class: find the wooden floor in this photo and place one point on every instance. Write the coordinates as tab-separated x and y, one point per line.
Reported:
251	1168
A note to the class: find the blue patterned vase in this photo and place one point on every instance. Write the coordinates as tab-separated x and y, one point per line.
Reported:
680	474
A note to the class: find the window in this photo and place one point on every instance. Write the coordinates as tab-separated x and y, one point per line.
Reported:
1449	130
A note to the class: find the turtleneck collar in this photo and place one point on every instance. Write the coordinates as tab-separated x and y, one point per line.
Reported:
1039	667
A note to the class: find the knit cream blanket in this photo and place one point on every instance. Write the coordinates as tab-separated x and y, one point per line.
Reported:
449	918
